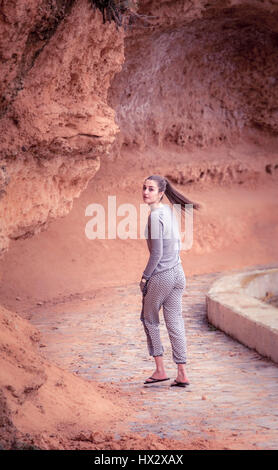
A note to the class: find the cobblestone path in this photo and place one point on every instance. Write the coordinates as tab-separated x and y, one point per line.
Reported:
233	390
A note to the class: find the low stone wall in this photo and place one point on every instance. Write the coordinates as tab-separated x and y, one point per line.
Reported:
234	307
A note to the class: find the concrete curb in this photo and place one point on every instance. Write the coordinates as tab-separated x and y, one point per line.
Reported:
234	307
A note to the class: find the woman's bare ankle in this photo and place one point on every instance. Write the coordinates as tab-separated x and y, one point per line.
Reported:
159	373
181	373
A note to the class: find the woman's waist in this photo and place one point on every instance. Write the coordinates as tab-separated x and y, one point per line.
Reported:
167	267
170	258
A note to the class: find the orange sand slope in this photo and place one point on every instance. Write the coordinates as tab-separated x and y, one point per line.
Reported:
237	227
40	402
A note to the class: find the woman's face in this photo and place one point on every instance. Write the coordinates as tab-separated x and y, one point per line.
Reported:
151	194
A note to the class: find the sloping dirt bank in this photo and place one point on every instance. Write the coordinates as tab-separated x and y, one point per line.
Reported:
43	405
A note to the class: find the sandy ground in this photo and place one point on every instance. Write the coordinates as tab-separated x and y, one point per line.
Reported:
236	228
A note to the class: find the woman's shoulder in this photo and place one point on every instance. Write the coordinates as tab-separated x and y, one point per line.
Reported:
160	212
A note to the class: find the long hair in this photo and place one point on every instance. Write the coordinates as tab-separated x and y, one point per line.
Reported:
174	196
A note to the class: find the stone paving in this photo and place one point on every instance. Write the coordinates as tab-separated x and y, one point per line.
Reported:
233	390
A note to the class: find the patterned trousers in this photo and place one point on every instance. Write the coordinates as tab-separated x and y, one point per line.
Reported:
165	289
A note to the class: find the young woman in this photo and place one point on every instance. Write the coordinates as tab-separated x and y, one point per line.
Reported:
163	280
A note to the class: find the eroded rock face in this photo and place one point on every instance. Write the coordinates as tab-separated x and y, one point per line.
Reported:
57	61
201	74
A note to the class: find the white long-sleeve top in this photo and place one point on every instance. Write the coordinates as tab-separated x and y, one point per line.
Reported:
163	239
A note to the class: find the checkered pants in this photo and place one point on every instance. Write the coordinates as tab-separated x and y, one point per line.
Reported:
165	289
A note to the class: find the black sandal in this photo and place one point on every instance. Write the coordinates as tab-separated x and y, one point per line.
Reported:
179	384
153	380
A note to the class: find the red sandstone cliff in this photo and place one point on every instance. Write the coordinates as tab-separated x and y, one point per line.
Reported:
201	74
57	62
196	75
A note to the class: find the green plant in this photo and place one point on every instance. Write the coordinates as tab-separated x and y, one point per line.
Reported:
113	10
122	12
